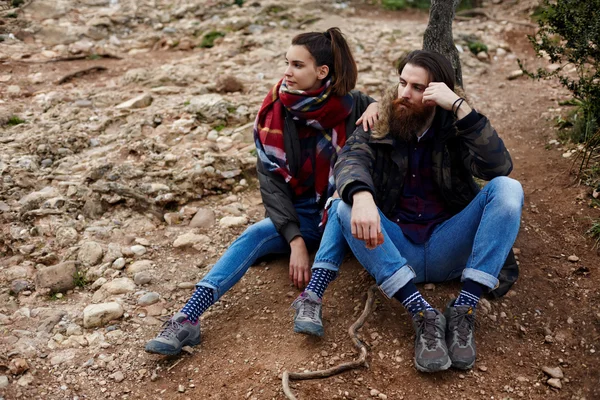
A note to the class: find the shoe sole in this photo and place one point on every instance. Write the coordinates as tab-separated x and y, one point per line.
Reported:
462	365
168	352
309	329
436	369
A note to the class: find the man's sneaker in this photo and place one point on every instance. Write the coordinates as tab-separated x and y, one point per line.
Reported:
460	337
308	318
431	354
177	332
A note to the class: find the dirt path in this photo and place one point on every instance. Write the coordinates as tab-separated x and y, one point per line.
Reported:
550	319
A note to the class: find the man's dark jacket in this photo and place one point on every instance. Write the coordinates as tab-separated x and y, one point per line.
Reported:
277	195
461	150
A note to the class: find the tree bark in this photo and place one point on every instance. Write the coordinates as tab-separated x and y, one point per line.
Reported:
438	35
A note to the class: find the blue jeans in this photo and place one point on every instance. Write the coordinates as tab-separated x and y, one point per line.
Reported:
473	243
261	239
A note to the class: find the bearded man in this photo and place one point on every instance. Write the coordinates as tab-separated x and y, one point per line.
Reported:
411	182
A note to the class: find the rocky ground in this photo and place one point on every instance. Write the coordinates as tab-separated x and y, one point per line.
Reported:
127	167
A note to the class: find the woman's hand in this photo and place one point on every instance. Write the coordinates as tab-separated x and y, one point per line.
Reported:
369	117
299	263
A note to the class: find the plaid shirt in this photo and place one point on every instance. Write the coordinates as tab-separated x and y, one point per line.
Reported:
420	208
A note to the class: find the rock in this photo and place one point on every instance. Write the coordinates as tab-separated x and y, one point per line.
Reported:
429	286
141	101
228	222
18	366
173	218
98	283
57	278
138	266
117	377
62	357
138	250
142	278
66	236
190	239
99	314
553	372
113	252
148	299
90	253
25	380
119	286
3	381
119	263
211	107
555	383
514	75
204	218
18	285
482	56
228	84
573	258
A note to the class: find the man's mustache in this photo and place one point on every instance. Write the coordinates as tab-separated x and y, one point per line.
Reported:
401	101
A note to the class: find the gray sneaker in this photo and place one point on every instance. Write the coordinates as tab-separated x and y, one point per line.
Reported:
460	337
431	354
177	332
308	318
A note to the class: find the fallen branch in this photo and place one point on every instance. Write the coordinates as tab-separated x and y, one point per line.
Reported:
361	361
80	73
14	10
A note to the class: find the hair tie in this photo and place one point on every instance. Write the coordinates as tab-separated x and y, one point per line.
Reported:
327	35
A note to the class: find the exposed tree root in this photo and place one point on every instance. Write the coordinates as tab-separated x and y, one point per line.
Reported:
468	15
80	73
361	361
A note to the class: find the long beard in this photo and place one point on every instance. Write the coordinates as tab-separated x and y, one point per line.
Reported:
406	122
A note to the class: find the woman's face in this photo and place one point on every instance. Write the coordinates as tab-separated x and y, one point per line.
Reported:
302	73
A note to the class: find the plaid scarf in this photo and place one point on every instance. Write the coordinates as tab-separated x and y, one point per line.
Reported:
317	109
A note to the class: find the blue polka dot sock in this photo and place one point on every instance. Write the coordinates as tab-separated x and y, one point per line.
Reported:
200	301
411	299
469	295
319	280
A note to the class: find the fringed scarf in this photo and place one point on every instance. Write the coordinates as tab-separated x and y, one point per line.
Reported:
318	109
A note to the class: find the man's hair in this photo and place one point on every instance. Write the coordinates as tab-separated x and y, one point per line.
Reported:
438	66
330	48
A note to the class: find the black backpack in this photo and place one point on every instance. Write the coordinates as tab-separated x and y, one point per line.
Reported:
507	277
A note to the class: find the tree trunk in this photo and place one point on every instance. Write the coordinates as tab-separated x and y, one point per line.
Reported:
438	35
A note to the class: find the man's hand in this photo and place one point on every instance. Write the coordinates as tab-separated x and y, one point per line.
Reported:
369	117
299	263
439	94
365	221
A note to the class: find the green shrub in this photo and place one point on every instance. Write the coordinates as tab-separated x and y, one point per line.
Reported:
477	47
569	36
14	120
208	40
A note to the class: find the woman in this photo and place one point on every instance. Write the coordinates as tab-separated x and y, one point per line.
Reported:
300	127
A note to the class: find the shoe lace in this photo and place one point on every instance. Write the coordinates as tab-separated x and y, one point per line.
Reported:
462	323
170	329
429	330
308	309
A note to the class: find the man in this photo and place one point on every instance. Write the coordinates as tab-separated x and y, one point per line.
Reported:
410	181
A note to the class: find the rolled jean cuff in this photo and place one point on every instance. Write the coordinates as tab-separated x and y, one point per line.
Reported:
209	285
328	265
400	278
483	278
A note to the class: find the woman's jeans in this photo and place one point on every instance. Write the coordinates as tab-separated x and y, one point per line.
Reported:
262	239
473	243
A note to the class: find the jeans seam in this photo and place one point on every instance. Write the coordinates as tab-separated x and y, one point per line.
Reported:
475	242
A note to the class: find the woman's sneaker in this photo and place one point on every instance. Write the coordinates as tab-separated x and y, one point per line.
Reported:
431	354
308	318
177	332
460	335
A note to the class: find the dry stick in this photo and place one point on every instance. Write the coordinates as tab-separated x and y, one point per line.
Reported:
467	15
324	373
14	10
80	73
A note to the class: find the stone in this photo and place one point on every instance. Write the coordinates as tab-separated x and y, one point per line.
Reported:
90	253
429	286
573	258
18	366
148	299
3	382
57	278
117	377
482	56
190	239
138	250
173	218
138	266
515	74
113	252
204	218
98	283
119	263
19	285
553	372
119	286
211	107
62	357
142	278
141	101
66	236
229	222
96	315
555	383
25	380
